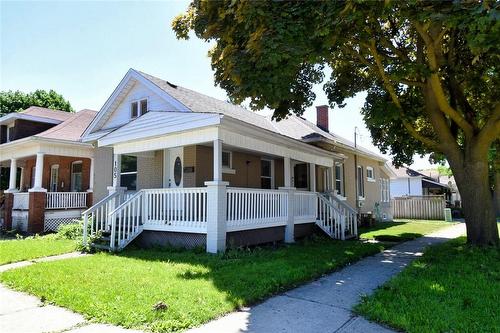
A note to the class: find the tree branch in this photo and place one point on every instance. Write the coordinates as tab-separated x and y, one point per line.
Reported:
490	131
431	144
437	89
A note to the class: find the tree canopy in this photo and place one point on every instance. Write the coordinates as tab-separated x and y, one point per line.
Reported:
15	101
430	70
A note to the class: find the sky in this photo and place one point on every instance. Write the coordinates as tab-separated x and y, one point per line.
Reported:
83	49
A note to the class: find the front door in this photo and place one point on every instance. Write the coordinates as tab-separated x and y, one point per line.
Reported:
176	165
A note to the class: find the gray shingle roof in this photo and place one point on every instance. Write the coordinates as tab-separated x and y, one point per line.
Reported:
201	103
293	127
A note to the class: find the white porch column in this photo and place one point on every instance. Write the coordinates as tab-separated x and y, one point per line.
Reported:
217	160
312	176
290	223
216	216
38	174
91	176
117	167
216	204
12	176
332	178
287	172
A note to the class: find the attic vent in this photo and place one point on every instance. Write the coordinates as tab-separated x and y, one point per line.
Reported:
172	85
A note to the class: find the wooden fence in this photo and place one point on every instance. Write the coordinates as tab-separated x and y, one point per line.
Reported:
427	207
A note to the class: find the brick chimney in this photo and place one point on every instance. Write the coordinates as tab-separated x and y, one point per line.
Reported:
322	117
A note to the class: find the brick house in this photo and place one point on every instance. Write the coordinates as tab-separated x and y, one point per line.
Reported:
52	180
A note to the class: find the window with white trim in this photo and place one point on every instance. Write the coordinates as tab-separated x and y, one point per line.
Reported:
339	178
266	174
54	177
361	182
76	176
385	190
128	172
227	159
370	174
138	108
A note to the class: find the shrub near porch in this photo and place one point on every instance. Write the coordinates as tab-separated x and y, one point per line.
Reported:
195	287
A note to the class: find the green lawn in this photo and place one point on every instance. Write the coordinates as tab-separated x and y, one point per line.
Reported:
452	288
401	230
195	287
13	250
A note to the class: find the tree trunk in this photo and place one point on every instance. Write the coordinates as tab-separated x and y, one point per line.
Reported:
477	201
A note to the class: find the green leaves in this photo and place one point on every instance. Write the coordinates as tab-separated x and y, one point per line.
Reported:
15	101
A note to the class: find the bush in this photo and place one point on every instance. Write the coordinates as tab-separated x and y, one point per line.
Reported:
70	231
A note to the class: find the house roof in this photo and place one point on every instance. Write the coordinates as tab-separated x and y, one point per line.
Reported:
72	128
198	102
38	111
302	129
38	114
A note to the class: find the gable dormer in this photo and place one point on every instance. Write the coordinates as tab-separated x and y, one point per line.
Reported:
134	96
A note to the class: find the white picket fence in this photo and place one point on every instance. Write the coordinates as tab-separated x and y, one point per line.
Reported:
66	200
428	207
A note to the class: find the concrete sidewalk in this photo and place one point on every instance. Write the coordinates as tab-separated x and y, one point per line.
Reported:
325	305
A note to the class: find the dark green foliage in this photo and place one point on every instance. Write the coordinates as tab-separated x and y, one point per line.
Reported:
15	101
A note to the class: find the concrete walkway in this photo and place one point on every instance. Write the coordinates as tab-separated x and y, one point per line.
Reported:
325	305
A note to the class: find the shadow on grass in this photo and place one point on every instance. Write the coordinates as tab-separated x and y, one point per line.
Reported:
248	276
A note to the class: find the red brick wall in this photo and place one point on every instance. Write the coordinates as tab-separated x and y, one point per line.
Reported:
64	172
9	201
322	117
36	214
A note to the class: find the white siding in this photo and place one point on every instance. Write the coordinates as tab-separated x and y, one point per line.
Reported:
121	115
406	186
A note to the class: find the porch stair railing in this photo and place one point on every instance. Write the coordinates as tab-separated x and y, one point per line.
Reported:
126	221
96	222
347	215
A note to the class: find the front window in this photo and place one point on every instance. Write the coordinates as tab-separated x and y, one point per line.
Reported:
54	177
128	172
76	176
138	108
300	176
266	174
339	178
227	159
361	183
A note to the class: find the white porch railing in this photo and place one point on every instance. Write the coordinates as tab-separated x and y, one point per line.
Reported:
305	206
348	213
182	209
95	219
21	201
66	200
255	208
185	210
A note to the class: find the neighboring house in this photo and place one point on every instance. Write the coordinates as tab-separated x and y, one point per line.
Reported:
447	180
52	179
409	182
190	170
